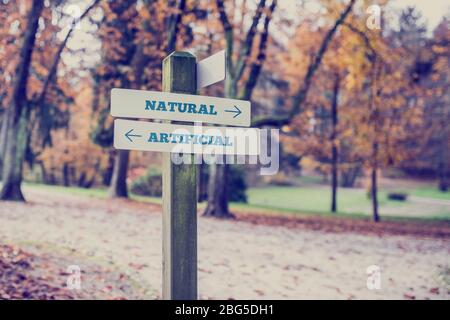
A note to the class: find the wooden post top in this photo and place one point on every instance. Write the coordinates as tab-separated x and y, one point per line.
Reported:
185	79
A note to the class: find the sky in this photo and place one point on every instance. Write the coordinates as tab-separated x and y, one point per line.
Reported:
432	10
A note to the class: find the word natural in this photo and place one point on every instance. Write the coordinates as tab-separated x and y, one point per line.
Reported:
179	107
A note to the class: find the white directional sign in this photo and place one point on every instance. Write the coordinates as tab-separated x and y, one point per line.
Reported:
211	69
127	103
164	137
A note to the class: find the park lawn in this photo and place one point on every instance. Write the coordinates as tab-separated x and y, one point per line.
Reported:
311	200
92	192
351	201
427	192
314	199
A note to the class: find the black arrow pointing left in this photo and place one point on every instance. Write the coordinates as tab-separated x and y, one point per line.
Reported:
129	135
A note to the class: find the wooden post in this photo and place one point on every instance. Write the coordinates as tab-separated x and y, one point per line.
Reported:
179	196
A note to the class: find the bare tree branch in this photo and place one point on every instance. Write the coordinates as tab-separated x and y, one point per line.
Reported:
228	30
140	59
256	66
57	58
174	26
366	40
302	92
23	67
300	97
248	43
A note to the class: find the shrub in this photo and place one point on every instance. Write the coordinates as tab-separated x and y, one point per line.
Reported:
237	186
398	196
150	184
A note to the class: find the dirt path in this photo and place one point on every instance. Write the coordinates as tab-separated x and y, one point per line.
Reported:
117	245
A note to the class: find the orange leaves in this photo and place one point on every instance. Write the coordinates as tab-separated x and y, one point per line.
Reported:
73	146
376	101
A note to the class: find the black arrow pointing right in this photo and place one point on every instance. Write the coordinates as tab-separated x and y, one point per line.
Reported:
236	110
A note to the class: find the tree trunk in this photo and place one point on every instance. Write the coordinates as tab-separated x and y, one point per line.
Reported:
89	183
118	187
52	176
108	172
217	192
334	149
443	163
217	189
3	131
65	174
18	113
334	179
200	182
443	183
14	157
374	195
73	174
374	182
82	179
43	172
348	176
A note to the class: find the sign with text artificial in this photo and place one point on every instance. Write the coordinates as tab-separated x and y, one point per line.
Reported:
127	103
198	139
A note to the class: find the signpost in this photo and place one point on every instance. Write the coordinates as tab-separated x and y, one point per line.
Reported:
182	76
179	197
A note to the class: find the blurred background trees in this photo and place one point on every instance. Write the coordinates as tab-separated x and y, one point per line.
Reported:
352	103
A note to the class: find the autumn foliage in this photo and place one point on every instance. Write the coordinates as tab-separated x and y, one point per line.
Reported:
350	101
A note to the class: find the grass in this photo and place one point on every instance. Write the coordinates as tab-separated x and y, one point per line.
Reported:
93	192
317	199
427	192
314	199
311	199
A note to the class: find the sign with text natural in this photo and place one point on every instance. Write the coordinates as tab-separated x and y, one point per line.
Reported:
198	139
126	103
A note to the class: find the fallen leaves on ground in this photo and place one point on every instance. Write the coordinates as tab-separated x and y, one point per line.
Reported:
429	229
17	280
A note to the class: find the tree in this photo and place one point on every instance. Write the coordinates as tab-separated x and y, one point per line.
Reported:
120	18
72	158
429	72
334	148
17	113
19	110
217	202
392	117
440	88
132	62
236	65
320	131
379	133
299	98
